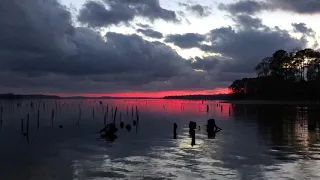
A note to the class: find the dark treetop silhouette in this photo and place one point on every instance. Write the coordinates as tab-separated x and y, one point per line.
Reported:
285	75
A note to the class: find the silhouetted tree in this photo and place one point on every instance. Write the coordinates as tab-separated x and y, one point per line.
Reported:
284	75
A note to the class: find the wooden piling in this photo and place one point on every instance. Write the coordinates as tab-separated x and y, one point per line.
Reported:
114	117
121	123
27	127
175	126
52	116
193	136
79	116
127	111
132	113
111	112
137	116
105	119
1	116
38	119
22	126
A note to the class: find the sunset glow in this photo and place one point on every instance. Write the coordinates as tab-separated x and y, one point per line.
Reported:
158	94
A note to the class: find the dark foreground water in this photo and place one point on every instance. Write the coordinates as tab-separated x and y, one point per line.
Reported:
257	142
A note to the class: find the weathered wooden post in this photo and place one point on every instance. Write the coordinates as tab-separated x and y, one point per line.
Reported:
38	119
193	136
132	113
175	126
114	117
22	126
121	123
111	112
52	116
207	108
128	127
105	120
27	128
137	116
79	116
127	112
1	115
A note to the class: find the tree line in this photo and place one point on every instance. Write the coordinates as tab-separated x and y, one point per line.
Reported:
291	75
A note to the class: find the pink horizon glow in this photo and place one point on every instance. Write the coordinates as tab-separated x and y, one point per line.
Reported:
158	94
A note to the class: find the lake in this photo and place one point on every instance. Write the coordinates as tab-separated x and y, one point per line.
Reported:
257	142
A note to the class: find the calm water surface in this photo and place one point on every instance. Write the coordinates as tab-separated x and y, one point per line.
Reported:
257	142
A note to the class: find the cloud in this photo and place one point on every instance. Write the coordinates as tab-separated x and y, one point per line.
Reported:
298	6
42	51
253	7
302	28
204	63
146	26
244	6
151	33
240	48
188	40
96	14
248	22
109	12
246	47
37	55
197	9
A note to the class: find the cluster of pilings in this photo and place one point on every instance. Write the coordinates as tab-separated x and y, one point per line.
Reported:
34	111
212	129
109	130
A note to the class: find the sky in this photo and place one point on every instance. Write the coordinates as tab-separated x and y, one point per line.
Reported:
145	47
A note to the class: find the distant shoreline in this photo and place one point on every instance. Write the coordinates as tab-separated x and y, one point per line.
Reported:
271	102
45	97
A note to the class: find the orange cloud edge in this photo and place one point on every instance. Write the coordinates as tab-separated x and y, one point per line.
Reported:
158	94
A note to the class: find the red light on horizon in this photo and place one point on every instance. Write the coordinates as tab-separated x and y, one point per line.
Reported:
158	94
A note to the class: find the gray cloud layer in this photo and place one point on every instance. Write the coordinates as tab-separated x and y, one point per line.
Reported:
240	48
42	51
253	6
197	9
151	33
98	14
302	28
188	40
54	54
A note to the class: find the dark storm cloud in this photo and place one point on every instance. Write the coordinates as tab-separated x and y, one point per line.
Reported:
243	6
204	63
188	40
243	46
252	7
299	6
302	28
146	26
41	51
247	47
248	22
99	14
54	56
197	9
96	14
151	33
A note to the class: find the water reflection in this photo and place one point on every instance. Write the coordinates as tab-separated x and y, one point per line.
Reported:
257	142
